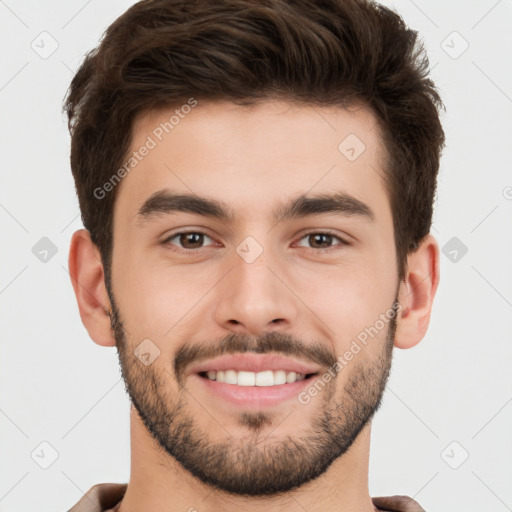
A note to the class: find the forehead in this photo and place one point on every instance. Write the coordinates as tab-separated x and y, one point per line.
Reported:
252	158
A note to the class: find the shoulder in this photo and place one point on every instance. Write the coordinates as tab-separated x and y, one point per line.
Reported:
100	497
397	504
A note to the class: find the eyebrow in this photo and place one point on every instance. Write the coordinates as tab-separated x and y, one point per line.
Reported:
165	202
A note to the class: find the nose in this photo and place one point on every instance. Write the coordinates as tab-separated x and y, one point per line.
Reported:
254	298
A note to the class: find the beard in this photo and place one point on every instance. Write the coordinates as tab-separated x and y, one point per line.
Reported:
255	465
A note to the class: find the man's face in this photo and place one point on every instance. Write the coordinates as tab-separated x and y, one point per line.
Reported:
256	295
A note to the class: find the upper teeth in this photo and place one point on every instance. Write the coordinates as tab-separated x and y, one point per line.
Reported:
265	378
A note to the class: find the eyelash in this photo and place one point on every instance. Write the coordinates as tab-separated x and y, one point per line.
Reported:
189	251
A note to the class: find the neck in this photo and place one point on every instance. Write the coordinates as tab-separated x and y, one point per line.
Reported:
158	482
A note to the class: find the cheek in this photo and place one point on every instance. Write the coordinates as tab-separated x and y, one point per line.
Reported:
356	306
348	296
158	299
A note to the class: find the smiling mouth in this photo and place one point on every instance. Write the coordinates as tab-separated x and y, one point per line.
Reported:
266	378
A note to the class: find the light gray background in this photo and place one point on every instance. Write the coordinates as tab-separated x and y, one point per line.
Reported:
448	397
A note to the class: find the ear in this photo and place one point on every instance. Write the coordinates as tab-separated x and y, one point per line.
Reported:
88	279
417	293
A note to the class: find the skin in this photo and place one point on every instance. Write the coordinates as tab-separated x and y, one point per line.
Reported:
253	160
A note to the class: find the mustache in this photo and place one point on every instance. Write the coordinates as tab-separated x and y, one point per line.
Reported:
284	343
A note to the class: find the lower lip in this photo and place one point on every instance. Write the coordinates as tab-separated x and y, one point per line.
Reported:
255	396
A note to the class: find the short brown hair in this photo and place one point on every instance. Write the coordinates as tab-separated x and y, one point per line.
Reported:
160	53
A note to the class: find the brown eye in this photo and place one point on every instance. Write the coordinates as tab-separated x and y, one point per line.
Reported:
188	240
321	240
191	240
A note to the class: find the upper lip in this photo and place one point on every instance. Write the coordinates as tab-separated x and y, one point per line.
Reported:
254	363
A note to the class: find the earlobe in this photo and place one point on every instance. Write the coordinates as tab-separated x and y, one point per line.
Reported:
417	293
88	280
